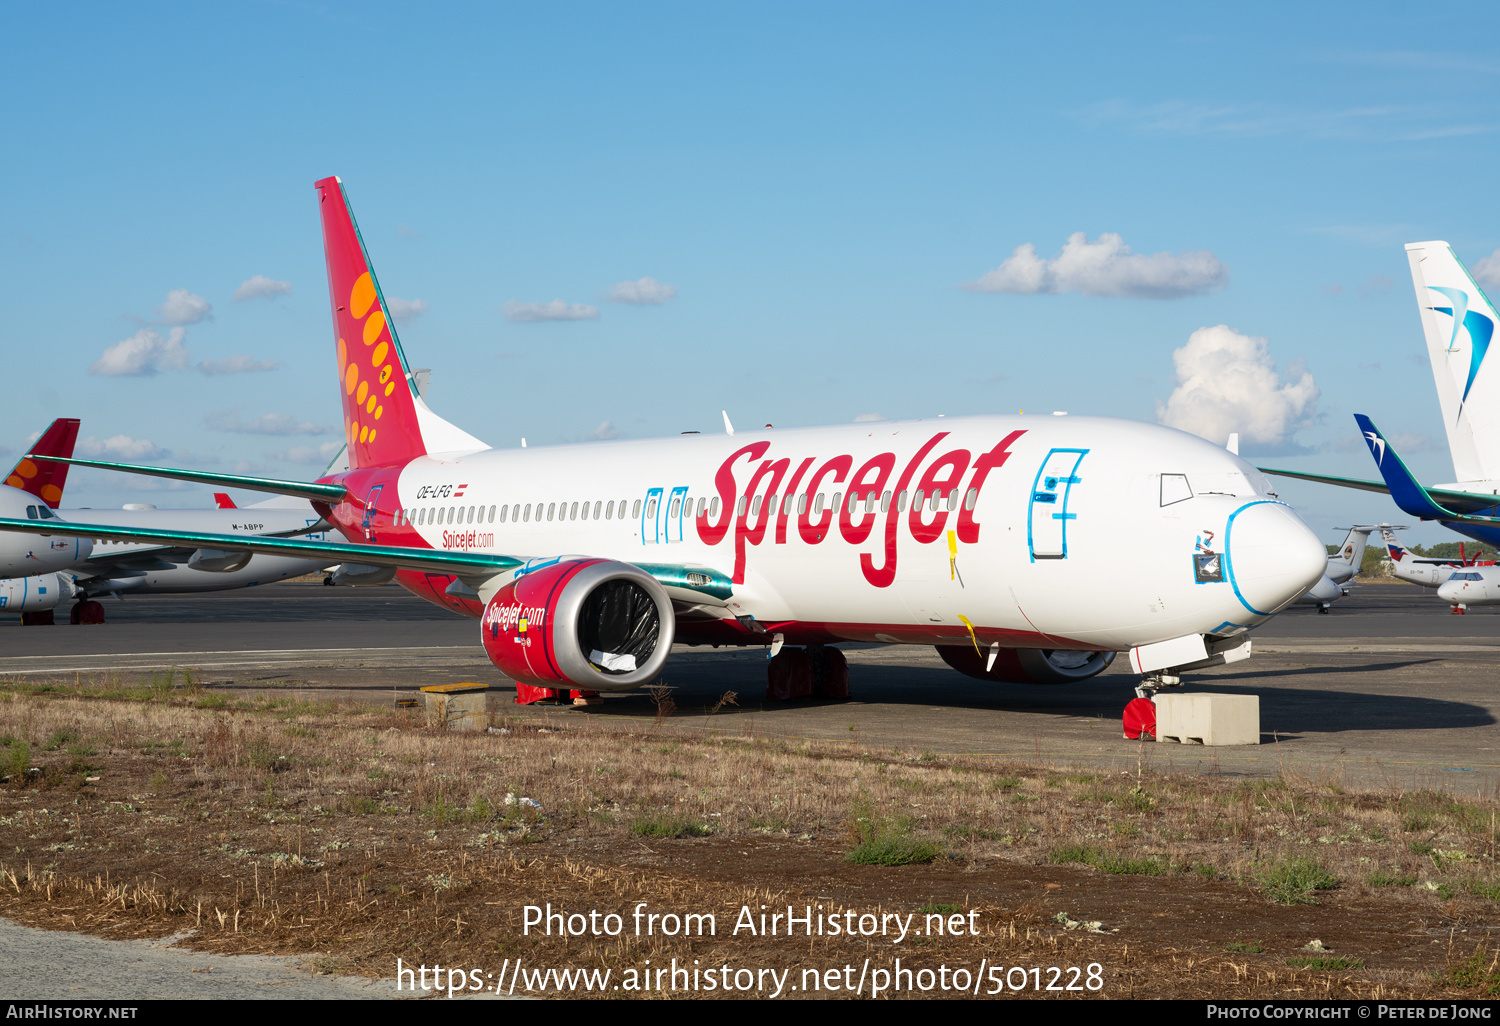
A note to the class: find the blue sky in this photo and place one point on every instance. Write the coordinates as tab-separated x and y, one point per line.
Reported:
817	183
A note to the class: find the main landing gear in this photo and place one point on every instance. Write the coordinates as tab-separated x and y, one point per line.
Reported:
87	612
1459	609
815	671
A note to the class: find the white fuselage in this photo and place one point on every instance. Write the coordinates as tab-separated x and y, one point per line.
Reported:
1471	586
1085	535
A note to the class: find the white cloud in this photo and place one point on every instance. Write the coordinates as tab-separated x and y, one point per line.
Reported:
1105	268
605	431
319	455
182	307
143	354
1228	382
261	287
237	364
868	416
120	447
556	310
403	311
1487	271
642	292
265	424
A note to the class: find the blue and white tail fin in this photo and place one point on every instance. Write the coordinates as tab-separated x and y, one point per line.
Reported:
1459	320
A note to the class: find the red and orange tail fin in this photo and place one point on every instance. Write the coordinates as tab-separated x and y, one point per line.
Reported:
223	501
385	421
42	477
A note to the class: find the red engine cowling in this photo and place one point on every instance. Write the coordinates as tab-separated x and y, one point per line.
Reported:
589	624
1027	665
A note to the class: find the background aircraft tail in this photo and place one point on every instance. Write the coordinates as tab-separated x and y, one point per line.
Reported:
386	423
1352	551
41	477
1459	323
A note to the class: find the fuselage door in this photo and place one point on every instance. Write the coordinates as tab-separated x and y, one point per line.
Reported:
372	505
1049	512
652	517
672	529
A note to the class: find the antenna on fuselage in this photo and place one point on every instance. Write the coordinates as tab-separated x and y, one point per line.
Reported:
728	427
1233	444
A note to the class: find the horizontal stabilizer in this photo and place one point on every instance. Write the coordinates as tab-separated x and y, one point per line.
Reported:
309	490
1467	501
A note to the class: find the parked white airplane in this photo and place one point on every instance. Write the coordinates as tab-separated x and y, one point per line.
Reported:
995	539
1341	570
115	568
1459	582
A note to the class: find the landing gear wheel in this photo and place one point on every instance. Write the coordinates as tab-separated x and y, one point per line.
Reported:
1323	608
1154	682
87	612
42	619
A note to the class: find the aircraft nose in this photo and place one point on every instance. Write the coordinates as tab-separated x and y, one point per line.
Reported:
1450	591
1273	556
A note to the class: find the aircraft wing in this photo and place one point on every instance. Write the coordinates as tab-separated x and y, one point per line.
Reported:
702	584
1427	503
430	560
312	491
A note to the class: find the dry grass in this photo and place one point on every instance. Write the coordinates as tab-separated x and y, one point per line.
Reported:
281	826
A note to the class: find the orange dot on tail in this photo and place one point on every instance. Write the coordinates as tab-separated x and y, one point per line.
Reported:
373	327
372	435
52	494
362	295
378	356
364	390
26	468
370	405
385	375
351	378
15	482
390	388
364	434
378	410
343	355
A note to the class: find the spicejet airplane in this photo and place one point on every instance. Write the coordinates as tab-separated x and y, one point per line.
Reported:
996	539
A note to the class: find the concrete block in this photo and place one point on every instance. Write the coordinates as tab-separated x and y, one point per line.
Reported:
1208	719
457	706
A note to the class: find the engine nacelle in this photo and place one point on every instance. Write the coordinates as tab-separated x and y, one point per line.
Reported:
1026	665
359	575
32	594
589	624
218	561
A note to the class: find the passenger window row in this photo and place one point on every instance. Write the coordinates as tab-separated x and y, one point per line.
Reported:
938	499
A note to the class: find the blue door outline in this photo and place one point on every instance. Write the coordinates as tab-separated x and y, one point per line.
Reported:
371	508
1047	510
651	517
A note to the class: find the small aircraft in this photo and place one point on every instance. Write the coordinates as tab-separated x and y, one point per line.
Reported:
1474	578
994	539
1341	570
114	568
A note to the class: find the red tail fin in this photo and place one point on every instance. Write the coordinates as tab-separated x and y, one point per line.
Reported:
385	422
42	477
223	501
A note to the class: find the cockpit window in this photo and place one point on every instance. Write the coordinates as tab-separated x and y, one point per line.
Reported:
1175	488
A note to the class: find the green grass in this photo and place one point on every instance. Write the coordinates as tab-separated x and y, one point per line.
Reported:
1244	947
1380	878
1291	881
887	842
1480	972
1107	861
669	826
1324	962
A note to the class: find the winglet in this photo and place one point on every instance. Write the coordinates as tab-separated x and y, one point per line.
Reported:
1409	495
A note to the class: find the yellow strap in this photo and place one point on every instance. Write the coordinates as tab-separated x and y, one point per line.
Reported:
970	626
